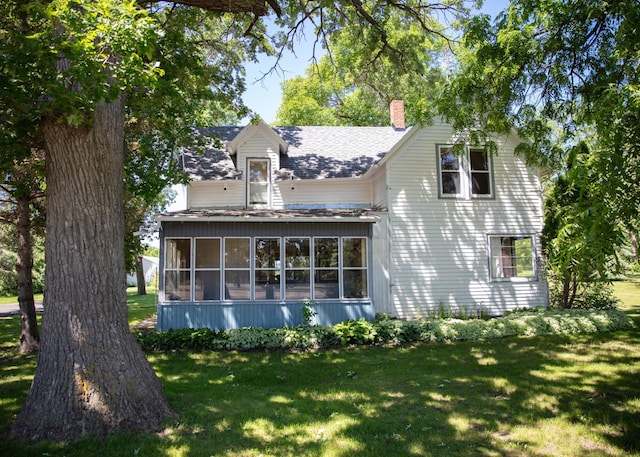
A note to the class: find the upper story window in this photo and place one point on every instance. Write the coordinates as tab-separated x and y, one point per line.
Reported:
259	183
464	175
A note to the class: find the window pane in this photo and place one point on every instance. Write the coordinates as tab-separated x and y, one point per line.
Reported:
480	183
479	160
297	286
236	253
178	253
207	285
259	194
177	285
259	182
355	283
259	171
354	252
267	285
326	284
523	257
298	253
326	252
451	183
237	285
512	257
267	253
207	253
448	160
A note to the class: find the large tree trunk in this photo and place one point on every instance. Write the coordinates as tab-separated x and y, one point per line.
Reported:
92	378
29	337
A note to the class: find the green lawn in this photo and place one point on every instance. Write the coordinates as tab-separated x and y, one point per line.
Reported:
538	396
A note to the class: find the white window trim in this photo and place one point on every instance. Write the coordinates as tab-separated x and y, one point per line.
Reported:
464	161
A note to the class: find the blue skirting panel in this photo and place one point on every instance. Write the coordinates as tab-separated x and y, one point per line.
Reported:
220	316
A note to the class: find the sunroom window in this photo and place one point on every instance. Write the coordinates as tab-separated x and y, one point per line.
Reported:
177	275
237	269
207	269
326	282
298	268
265	268
354	258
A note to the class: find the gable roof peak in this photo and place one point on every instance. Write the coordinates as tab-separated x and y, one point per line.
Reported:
250	130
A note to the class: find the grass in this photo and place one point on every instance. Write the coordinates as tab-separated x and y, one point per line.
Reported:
560	396
14	299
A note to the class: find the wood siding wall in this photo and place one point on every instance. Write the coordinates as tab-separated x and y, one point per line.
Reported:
439	247
267	315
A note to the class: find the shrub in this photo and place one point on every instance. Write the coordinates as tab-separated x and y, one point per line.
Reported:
387	331
356	332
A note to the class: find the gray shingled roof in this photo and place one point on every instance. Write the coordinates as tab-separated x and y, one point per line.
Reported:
314	152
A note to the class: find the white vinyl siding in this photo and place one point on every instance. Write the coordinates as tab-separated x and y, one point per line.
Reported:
439	246
325	193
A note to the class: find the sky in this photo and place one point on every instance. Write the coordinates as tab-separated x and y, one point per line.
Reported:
264	94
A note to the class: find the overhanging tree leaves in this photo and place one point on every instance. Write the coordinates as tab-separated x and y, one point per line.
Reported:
549	64
398	56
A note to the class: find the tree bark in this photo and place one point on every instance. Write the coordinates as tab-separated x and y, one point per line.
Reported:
140	279
29	336
92	378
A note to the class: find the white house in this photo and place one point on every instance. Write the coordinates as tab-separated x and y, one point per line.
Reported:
352	220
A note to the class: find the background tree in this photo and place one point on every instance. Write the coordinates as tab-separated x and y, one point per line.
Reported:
22	208
355	81
580	239
140	222
77	60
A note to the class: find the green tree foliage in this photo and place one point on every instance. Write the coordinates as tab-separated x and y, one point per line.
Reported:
548	64
364	69
580	239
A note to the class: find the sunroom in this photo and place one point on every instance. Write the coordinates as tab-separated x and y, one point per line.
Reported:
222	269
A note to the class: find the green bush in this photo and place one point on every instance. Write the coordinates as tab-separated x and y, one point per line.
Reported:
387	331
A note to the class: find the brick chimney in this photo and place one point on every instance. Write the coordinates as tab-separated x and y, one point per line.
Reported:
397	114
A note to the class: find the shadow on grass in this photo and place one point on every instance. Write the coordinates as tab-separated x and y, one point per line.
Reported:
577	395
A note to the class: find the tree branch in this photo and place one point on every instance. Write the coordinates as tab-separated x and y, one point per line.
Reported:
257	7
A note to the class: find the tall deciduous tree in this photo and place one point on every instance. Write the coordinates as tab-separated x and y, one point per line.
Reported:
76	59
80	58
23	209
363	70
548	64
580	238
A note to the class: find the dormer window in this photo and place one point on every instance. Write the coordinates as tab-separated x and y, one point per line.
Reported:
259	183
